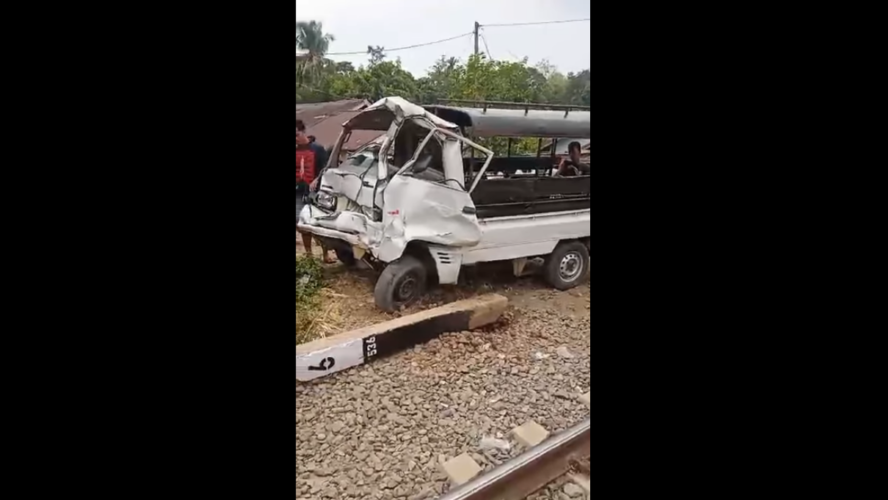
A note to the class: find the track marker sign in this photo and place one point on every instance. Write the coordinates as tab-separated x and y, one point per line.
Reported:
322	357
329	360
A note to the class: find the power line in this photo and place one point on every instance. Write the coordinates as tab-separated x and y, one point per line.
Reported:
400	48
486	47
535	23
506	49
359	52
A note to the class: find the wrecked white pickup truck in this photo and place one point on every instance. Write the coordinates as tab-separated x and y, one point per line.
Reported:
422	203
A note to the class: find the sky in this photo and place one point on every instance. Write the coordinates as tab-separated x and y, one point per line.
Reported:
397	23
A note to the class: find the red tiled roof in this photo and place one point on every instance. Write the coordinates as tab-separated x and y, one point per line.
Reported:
314	112
326	131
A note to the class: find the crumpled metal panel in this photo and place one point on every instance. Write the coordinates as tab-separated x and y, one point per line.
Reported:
374	116
355	228
415	210
428	212
355	181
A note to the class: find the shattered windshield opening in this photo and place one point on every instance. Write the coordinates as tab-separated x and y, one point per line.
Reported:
429	164
408	139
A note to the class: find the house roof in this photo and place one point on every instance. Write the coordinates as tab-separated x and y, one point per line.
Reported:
315	112
324	121
326	132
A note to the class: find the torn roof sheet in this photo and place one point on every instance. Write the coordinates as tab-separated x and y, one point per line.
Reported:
379	115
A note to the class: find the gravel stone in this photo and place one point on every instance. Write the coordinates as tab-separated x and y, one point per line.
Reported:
572	490
564	352
391	423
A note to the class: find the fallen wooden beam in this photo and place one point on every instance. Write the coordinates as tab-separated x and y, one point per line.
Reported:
336	353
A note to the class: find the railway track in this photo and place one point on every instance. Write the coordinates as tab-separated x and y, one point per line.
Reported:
531	471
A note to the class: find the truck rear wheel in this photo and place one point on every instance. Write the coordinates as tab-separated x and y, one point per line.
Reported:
567	266
401	283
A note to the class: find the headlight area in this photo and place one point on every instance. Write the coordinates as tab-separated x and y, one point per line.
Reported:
326	201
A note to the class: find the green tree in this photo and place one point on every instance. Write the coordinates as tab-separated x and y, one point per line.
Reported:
481	79
310	37
440	83
377	54
318	85
555	90
344	67
478	78
382	79
579	88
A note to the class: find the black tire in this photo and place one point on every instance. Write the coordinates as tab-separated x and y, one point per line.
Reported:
567	266
346	256
400	284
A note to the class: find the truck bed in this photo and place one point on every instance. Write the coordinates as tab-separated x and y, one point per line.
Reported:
528	195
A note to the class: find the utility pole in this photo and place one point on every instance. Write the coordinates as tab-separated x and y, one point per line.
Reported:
476	37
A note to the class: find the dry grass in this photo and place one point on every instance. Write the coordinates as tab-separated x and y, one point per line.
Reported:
312	311
320	317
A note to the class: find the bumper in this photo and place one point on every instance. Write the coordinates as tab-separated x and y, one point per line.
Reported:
384	242
304	223
330	233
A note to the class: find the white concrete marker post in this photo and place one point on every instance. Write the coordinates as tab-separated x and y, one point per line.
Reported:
333	354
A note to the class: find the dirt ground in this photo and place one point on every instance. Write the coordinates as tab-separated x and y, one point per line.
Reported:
347	300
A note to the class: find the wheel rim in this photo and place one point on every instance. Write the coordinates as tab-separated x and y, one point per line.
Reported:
407	289
571	267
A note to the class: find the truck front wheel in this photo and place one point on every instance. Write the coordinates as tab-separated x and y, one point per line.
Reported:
401	283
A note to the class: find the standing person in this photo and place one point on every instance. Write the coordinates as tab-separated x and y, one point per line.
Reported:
310	160
572	166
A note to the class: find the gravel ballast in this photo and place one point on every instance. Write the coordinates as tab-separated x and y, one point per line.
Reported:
380	431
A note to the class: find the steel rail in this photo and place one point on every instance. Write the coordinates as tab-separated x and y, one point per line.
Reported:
530	471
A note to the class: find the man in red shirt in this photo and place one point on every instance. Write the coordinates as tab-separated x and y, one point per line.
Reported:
310	160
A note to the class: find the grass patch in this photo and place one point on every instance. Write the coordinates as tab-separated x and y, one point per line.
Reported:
317	308
309	279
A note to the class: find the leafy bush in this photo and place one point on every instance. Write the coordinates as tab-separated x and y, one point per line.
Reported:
309	280
309	277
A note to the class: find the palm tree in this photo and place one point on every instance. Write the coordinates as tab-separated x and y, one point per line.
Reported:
312	43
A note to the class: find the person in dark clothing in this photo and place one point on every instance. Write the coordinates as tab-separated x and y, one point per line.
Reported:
572	166
310	161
